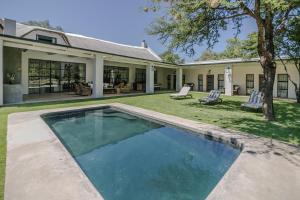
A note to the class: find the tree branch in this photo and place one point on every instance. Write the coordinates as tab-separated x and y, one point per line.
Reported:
247	10
282	25
230	17
285	68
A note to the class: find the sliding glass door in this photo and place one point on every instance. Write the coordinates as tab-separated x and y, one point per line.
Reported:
52	76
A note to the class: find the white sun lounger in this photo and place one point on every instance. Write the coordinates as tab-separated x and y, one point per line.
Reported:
255	101
213	97
183	93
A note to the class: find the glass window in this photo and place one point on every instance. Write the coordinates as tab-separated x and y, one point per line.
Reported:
46	39
51	76
221	83
140	75
282	85
261	82
169	81
200	82
115	75
249	83
210	83
155	77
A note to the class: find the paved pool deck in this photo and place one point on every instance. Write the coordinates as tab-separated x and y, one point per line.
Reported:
39	167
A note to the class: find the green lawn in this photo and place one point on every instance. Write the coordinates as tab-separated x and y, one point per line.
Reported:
227	115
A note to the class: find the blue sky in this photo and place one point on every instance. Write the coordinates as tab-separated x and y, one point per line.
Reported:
122	21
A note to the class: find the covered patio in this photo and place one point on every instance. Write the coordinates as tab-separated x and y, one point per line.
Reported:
34	71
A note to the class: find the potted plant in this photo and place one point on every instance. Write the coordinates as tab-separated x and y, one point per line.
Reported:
11	78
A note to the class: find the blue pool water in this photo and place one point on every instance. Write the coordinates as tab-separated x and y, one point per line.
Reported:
129	158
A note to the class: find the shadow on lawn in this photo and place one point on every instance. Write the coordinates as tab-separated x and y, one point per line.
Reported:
286	127
225	105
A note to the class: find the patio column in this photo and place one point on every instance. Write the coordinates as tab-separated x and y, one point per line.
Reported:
228	80
178	79
150	78
1	72
98	76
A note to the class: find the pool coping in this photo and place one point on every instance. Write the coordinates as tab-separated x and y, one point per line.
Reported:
38	163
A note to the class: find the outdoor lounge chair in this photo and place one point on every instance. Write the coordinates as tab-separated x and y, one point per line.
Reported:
213	97
255	101
183	93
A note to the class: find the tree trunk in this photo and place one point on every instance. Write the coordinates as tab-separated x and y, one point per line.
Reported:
265	47
298	96
269	77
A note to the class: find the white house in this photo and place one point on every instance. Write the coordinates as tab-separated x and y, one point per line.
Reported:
37	62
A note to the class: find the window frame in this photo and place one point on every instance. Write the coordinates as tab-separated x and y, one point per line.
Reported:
200	86
260	82
221	83
280	89
46	39
252	81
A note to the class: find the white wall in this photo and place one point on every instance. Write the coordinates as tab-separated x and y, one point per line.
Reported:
162	75
191	75
239	71
59	38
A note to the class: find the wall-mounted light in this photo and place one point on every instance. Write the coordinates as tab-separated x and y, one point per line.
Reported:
209	72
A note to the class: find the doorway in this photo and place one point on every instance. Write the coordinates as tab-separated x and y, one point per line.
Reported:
209	83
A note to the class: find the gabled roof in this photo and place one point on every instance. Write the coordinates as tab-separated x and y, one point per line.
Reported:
89	43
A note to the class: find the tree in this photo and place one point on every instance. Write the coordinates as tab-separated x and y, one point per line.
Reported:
188	23
288	44
208	55
235	48
170	57
249	46
43	24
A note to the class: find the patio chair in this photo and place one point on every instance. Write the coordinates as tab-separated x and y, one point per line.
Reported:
183	93
123	88
213	97
254	102
82	89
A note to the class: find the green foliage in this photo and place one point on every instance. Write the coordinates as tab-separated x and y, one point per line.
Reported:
235	48
43	24
288	42
171	57
249	46
190	23
208	55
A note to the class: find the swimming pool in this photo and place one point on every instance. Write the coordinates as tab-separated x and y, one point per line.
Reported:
127	157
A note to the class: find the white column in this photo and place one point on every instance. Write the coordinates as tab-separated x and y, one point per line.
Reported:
98	76
228	80
178	79
1	72
131	75
150	78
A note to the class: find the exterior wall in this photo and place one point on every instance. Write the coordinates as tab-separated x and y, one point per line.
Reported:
191	75
11	64
59	38
162	75
239	71
53	57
